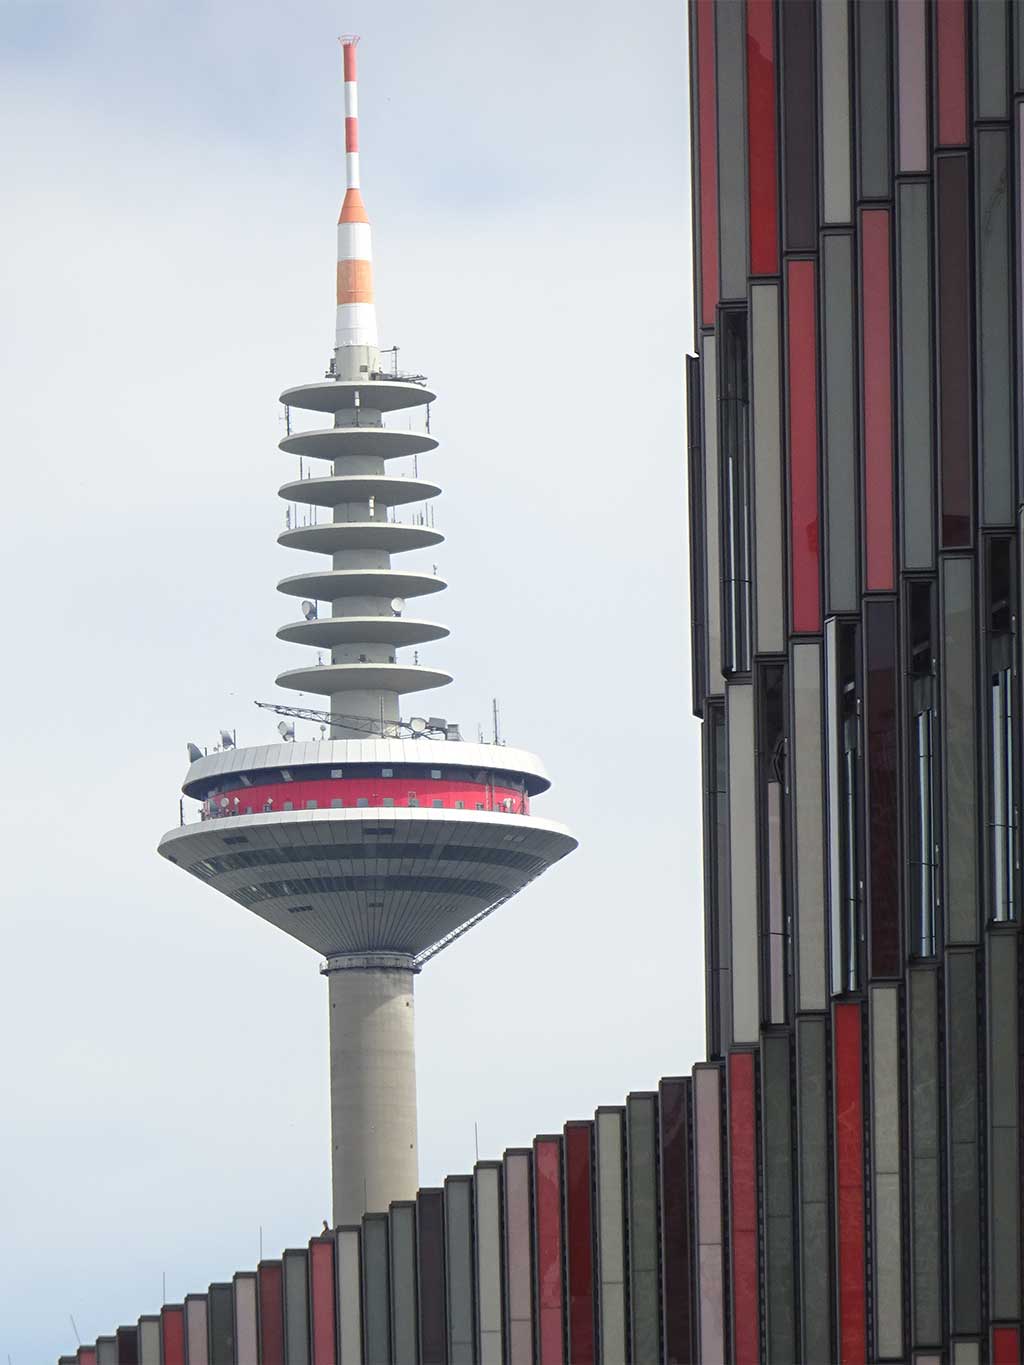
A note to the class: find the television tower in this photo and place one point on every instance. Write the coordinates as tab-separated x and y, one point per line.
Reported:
384	840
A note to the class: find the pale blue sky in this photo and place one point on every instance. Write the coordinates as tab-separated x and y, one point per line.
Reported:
169	185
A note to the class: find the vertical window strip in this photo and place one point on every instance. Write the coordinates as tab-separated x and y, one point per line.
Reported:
923	852
710	1250
735	445
694	469
803	445
876	360
954	347
912	91
707	159
1003	805
763	170
712	529
766	463
773	786
882	803
844	796
951	71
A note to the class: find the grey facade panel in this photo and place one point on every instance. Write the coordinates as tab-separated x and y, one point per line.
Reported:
884	1024
777	1174
458	1217
746	1010
874	101
926	1217
959	653
836	143
149	1350
712	529
914	352
376	1291
642	1202
991	50
487	1213
730	47
611	1236
718	927
994	309
813	1190
964	1193
808	820
707	1098
348	1278
839	424
518	1262
1004	1128
296	1307
402	1248
766	447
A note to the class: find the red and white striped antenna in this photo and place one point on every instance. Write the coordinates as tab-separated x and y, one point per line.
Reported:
357	315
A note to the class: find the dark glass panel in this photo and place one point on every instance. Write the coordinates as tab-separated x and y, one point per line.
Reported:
882	787
954	344
799	124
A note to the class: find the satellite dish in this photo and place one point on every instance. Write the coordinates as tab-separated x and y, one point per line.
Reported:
417	725
286	729
227	739
398	605
194	752
309	610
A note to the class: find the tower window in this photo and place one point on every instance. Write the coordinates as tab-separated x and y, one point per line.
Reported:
1002	797
922	731
736	490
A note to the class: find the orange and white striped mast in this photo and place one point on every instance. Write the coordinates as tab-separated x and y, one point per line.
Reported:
356	349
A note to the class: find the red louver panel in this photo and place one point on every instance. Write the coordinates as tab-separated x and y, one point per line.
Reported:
579	1238
850	1184
271	1313
1005	1346
172	1335
763	173
547	1184
87	1355
951	60
743	1208
707	147
802	355
321	1293
876	359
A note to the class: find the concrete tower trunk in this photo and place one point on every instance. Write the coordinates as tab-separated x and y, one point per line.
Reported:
373	1086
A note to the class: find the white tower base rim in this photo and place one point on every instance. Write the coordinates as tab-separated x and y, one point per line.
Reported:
369	962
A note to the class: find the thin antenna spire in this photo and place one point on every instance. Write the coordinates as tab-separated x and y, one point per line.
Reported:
357	315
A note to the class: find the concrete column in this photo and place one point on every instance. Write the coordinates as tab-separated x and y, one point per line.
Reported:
373	1083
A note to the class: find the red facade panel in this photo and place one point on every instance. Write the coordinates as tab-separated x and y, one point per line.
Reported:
271	1301
876	362
849	1101
802	357
763	172
951	71
87	1355
1006	1346
743	1209
579	1240
321	1301
172	1335
707	160
547	1187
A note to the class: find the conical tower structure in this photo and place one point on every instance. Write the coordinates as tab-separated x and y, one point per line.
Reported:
385	840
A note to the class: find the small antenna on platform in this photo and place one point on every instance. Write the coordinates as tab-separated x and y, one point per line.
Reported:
476	1138
74	1328
497	729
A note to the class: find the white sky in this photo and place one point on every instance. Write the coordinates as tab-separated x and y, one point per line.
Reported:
170	182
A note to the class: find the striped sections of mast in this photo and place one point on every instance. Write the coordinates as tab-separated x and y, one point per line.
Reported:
357	314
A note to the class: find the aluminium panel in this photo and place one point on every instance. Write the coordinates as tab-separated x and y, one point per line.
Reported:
836	144
323	1327
146	1344
925	1145
106	1351
808	822
798	44
744	936
916	424
675	1194
611	1234
127	1345
839	423
376	1289
348	1286
578	1142
172	1336
762	122
706	161
430	1283
874	100
963	1140
518	1222
712	529
813	1194
487	1237
881	736
295	1276
642	1225
271	1304
1002	1091
402	1251
221	1316
994	295
991	52
848	1070
458	1217
744	1280
707	1101
877	392
777	1199
548	1233
197	1344
766	451
804	458
954	369
950	66
887	1200
246	1320
959	749
912	77
730	52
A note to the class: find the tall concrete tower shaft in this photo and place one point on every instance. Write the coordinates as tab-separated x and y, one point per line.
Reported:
383	841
